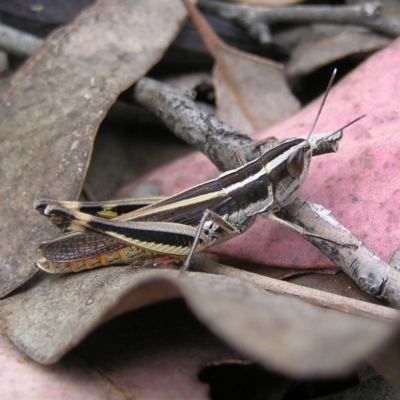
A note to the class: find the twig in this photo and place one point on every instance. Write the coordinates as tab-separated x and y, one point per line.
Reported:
219	141
181	115
18	43
314	296
371	274
365	14
204	131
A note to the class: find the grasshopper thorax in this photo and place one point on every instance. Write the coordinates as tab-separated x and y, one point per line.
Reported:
287	170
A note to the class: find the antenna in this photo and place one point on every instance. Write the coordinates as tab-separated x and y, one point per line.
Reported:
350	123
322	103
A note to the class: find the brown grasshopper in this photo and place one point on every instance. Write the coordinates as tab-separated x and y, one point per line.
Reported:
175	227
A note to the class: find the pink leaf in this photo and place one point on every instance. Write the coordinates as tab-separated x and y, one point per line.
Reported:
359	184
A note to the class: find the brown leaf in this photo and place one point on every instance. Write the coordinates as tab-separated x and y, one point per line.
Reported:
158	352
251	91
282	333
69	307
324	44
127	358
54	105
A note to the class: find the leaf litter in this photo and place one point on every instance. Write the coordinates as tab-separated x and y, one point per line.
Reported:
52	314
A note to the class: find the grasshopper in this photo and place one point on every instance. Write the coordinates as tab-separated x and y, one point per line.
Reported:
158	230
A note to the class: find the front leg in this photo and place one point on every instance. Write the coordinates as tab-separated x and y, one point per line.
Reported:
211	216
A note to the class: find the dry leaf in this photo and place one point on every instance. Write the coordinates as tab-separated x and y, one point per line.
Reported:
127	358
325	44
282	333
157	352
251	91
52	109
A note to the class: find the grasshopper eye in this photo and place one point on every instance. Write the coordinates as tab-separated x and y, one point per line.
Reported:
295	163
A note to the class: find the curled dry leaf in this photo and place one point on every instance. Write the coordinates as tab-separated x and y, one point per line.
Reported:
127	358
359	183
51	109
325	44
251	91
280	332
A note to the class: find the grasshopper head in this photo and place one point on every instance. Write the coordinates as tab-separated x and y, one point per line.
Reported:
287	170
288	164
